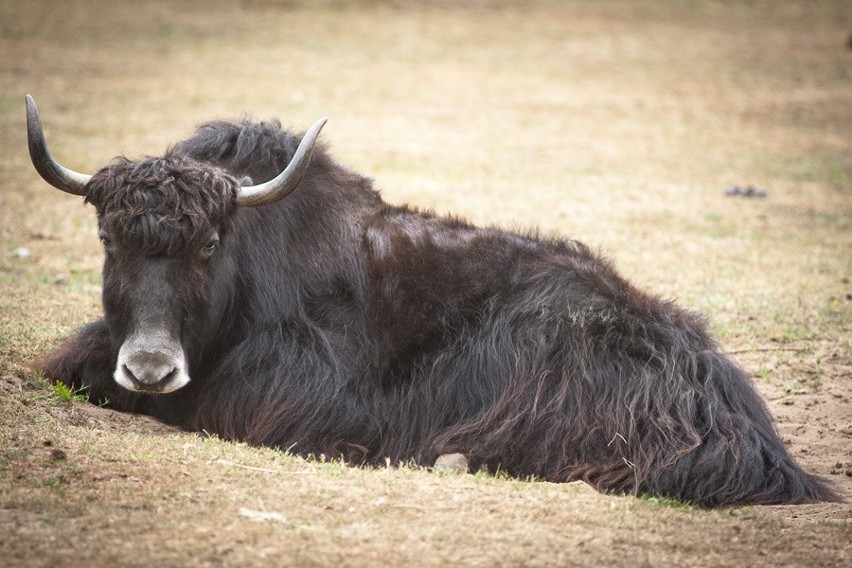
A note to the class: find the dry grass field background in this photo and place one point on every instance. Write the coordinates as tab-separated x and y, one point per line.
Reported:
616	123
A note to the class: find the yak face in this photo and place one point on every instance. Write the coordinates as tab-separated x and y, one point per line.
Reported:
163	223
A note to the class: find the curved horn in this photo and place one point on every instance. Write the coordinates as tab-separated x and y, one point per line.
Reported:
285	182
56	175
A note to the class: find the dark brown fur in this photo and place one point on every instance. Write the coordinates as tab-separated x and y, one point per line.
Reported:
333	323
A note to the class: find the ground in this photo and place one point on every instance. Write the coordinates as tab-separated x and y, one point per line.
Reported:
618	123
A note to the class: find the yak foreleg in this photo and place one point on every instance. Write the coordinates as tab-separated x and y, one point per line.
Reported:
86	362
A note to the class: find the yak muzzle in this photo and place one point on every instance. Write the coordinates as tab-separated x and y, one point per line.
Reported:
151	364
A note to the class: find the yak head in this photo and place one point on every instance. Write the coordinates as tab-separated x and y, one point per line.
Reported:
163	223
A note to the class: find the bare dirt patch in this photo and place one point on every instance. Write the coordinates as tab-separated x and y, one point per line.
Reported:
617	123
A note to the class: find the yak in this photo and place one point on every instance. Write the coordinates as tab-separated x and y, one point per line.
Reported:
303	312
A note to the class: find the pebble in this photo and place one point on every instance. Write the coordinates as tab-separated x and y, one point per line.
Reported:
262	515
451	463
21	253
750	191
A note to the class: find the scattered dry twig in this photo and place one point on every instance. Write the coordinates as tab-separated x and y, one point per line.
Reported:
761	349
259	469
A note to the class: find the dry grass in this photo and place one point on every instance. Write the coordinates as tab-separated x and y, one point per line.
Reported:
618	123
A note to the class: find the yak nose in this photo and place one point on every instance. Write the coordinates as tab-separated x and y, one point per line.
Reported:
149	369
151	366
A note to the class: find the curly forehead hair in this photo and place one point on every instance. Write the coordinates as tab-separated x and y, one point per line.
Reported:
161	205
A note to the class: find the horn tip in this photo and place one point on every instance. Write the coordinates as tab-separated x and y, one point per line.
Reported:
32	109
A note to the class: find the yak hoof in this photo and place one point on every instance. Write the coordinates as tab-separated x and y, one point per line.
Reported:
451	463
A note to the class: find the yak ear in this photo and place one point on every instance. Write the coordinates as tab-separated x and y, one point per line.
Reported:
245	180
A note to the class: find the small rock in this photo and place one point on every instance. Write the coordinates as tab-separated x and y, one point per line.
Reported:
849	472
749	191
57	455
451	463
21	253
262	515
60	279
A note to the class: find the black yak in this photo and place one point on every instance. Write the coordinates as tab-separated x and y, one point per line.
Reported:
307	314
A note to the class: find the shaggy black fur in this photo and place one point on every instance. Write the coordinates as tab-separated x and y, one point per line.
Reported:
333	323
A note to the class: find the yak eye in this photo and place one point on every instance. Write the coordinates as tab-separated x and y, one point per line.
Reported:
210	246
105	240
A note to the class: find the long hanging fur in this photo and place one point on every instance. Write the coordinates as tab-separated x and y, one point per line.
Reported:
337	324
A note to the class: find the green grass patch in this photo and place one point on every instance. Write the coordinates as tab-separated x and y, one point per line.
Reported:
668	502
62	391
